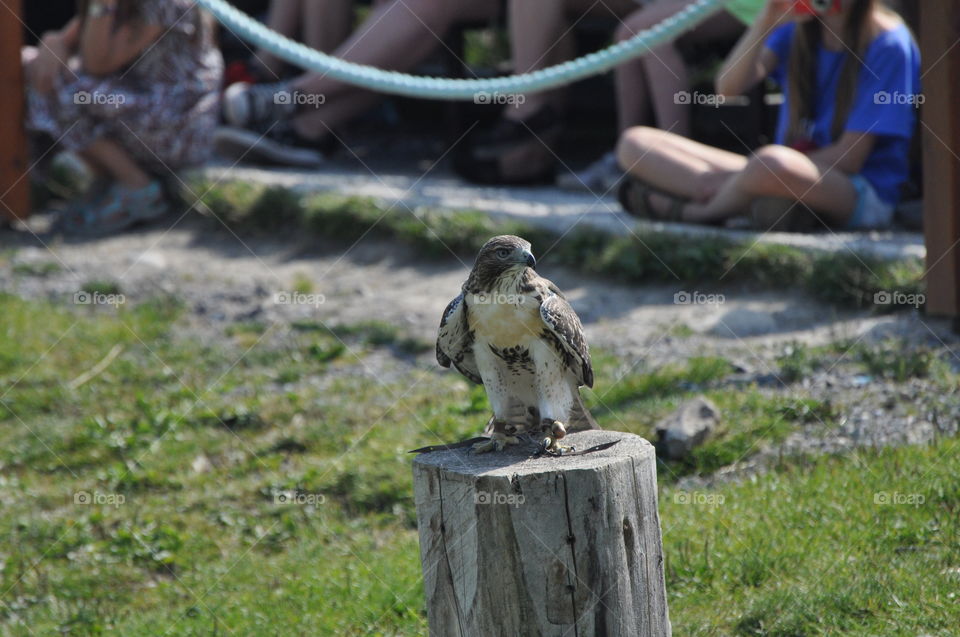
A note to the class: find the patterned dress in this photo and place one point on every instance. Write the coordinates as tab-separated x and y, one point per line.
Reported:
162	108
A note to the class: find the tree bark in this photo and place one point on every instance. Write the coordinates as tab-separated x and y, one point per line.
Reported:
14	184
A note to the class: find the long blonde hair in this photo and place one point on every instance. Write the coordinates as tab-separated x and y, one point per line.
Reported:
802	70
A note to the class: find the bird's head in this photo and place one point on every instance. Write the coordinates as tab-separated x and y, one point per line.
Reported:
501	255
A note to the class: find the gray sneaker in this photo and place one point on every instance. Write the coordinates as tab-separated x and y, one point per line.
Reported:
280	146
601	177
258	105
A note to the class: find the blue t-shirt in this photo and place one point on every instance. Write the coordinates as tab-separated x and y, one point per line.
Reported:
884	105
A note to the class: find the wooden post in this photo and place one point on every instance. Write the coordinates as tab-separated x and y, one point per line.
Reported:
14	184
939	26
545	547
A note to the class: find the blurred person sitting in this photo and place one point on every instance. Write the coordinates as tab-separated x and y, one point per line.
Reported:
131	87
320	24
647	87
292	122
851	81
519	148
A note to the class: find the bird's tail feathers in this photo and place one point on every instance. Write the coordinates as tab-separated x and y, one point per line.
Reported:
580	417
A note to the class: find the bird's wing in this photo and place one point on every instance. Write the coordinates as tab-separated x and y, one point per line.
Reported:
455	340
566	333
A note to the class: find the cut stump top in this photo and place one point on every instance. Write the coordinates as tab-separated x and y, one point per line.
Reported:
519	460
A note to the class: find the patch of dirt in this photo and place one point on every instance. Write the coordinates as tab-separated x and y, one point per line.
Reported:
223	279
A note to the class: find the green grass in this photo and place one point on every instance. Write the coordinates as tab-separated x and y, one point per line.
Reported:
891	360
39	268
647	256
857	545
188	454
372	332
636	401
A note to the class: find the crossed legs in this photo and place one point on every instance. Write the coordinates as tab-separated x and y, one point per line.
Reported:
652	81
721	184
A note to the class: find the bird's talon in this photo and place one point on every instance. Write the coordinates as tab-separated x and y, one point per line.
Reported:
497	441
558	430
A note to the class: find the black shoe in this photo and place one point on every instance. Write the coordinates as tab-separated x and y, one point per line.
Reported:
507	134
480	159
279	146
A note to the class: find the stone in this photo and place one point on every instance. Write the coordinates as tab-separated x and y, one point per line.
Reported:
687	428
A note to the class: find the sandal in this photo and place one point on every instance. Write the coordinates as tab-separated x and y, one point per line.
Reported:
634	196
117	209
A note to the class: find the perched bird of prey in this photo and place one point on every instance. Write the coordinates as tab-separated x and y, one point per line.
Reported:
514	331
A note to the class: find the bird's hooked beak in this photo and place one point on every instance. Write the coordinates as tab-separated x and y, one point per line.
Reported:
530	260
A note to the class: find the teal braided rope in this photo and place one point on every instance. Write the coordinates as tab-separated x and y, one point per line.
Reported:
382	81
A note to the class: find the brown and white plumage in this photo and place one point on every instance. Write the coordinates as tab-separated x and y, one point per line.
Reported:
513	331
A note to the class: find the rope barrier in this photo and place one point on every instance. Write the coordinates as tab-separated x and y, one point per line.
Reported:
396	83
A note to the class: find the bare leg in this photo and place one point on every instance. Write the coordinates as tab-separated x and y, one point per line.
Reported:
326	23
636	83
676	164
679	166
397	35
539	37
633	97
285	17
722	184
656	78
113	159
779	171
536	31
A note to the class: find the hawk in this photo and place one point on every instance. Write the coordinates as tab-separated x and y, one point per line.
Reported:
513	331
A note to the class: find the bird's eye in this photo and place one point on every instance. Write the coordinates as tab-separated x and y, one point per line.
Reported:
503	253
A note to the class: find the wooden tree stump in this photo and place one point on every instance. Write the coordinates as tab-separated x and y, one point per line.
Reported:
515	546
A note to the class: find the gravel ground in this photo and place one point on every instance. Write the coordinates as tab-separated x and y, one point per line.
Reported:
223	279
